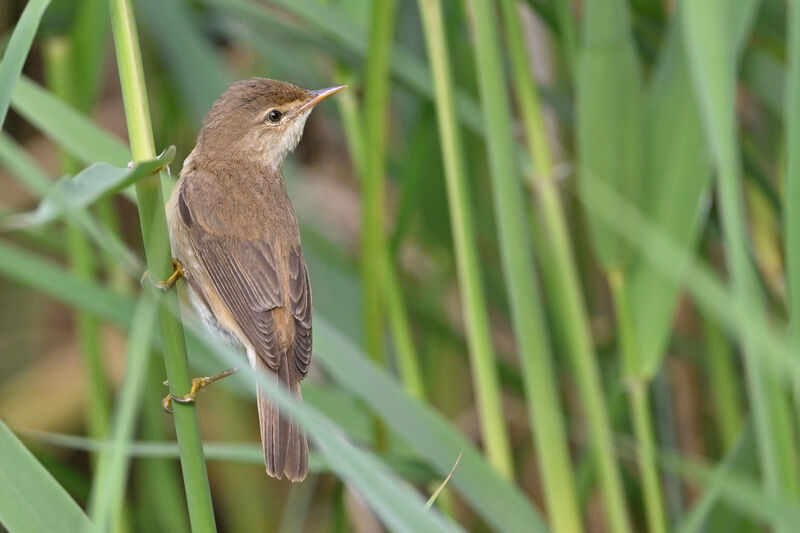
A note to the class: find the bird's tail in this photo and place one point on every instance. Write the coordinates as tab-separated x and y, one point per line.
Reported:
284	442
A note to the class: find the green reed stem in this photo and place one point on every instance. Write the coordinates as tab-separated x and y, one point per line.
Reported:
791	205
640	405
373	184
562	274
407	357
723	384
156	241
81	257
482	357
714	75
568	40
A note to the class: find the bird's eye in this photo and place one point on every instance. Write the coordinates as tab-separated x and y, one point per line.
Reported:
274	116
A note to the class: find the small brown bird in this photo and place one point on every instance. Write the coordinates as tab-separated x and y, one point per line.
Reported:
236	242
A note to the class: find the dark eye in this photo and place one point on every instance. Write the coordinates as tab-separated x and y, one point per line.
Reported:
274	116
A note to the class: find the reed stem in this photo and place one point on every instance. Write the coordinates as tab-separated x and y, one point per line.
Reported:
155	237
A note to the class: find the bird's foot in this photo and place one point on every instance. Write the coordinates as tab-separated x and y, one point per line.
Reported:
177	273
198	384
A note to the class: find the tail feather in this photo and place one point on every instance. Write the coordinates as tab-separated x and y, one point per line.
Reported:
284	442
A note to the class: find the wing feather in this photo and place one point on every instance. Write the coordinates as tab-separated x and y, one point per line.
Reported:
246	274
300	299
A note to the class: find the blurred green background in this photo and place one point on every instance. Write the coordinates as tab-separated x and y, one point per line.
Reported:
554	247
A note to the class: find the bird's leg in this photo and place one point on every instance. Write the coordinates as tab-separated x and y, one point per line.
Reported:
198	384
177	273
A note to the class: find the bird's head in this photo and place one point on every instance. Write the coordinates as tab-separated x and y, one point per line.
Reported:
259	118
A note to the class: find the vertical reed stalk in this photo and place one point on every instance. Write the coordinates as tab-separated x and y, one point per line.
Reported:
156	241
640	405
482	358
791	203
714	75
724	384
565	286
373	183
407	357
80	254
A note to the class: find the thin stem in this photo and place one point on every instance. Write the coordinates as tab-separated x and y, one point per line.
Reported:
80	254
373	184
566	25
156	241
724	384
482	358
714	74
791	205
406	353
640	406
561	273
407	357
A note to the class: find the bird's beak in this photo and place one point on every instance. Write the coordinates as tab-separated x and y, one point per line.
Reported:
319	95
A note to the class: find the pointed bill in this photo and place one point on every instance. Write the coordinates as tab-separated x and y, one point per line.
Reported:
320	94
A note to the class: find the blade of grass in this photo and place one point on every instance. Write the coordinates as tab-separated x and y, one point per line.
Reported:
156	240
482	358
81	256
108	487
30	499
709	292
71	129
89	37
694	520
608	115
723	383
560	272
568	41
17	51
742	494
714	75
637	389
230	452
373	184
19	163
428	433
85	188
408	361
677	188
791	204
528	318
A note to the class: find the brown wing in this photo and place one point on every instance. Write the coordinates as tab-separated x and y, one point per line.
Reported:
246	274
300	300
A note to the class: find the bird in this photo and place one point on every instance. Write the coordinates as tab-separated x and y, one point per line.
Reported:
235	240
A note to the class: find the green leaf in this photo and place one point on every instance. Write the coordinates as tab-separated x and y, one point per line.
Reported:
740	493
608	114
235	452
713	65
694	520
677	178
108	488
31	500
496	499
429	434
68	127
17	51
83	190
